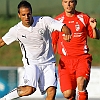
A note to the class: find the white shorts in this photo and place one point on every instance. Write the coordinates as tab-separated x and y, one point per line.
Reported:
42	76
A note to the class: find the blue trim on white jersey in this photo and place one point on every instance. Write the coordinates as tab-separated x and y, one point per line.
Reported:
36	19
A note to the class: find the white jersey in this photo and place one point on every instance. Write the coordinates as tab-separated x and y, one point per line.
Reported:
35	41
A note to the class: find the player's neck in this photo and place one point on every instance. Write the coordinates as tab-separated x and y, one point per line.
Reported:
28	24
70	14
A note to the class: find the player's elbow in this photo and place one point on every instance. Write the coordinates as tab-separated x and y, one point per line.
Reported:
96	34
54	46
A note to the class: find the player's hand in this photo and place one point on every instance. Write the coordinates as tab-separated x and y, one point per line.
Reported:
2	43
66	37
93	23
67	33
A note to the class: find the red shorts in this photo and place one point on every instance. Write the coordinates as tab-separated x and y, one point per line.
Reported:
70	69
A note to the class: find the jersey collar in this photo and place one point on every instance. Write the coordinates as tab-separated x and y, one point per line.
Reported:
26	28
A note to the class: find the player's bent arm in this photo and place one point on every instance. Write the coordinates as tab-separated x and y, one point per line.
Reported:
2	43
96	33
67	33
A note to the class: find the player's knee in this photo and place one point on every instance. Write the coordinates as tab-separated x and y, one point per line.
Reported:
68	94
51	92
25	90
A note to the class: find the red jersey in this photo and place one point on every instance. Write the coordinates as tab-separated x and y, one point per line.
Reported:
80	29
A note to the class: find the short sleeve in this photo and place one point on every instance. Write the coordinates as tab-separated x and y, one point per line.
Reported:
90	31
10	36
88	26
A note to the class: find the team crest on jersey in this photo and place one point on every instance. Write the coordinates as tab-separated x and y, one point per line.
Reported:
77	26
41	31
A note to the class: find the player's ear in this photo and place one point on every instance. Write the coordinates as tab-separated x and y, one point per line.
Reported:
18	15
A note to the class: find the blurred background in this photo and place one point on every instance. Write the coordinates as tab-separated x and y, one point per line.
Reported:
10	56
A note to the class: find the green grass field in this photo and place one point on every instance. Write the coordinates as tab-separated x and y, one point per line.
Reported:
49	7
11	55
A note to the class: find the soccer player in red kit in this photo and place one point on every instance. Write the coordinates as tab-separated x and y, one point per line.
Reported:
75	61
34	36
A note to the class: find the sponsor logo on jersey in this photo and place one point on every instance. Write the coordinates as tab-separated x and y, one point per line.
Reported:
77	26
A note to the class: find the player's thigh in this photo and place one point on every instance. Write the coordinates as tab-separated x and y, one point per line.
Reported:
48	77
67	76
50	74
83	72
31	75
83	68
67	81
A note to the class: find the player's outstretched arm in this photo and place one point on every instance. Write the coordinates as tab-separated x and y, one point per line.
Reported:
2	43
67	33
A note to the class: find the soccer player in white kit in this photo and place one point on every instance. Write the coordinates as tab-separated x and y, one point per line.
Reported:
33	35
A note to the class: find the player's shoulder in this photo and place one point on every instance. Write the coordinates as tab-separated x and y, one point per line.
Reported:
46	17
36	17
58	17
83	17
42	18
18	25
82	14
15	27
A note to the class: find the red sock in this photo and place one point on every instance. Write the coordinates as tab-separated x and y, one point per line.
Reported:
82	95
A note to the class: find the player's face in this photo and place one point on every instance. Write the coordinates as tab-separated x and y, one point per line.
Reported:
25	15
69	6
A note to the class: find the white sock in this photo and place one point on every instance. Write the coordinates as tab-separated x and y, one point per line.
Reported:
12	95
